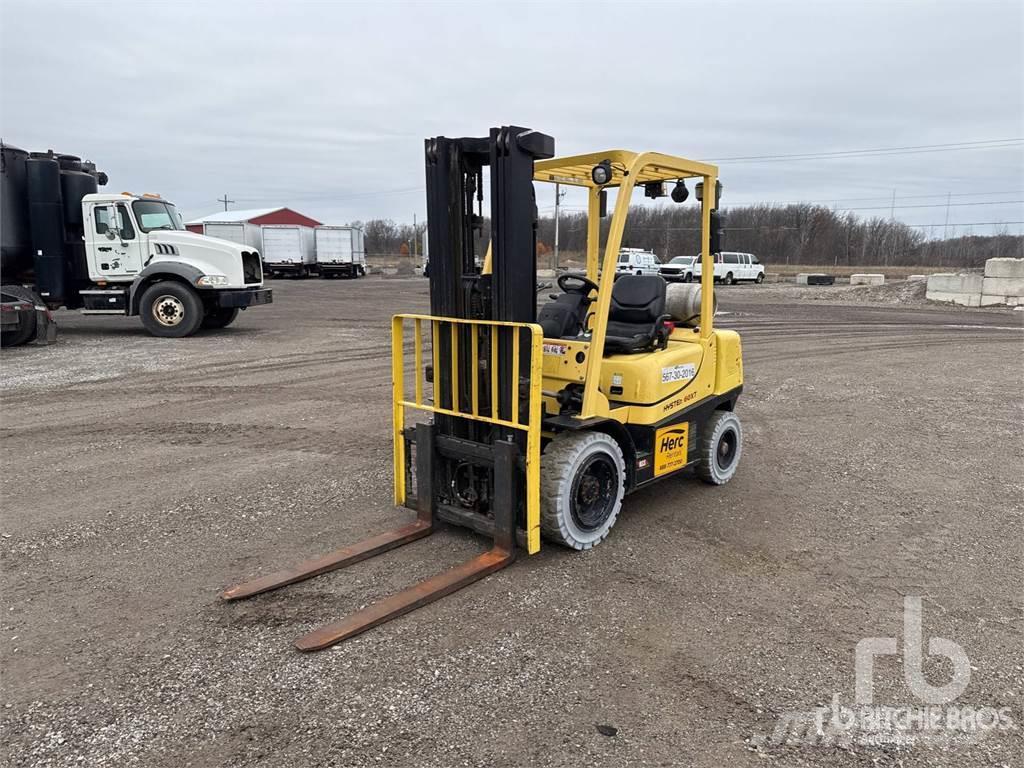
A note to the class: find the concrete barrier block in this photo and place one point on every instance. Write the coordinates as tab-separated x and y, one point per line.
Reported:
814	278
963	299
916	278
1003	286
991	301
1004	267
947	282
867	279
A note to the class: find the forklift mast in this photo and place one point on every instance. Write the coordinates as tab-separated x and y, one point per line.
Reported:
455	182
455	198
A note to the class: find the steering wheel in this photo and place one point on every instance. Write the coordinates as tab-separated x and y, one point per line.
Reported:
583	284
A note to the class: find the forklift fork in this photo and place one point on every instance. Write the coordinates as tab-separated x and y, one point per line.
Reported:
501	554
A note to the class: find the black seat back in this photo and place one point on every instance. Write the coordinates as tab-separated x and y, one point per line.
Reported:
638	304
563	316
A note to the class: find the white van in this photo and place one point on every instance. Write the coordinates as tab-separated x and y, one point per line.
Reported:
637	261
732	266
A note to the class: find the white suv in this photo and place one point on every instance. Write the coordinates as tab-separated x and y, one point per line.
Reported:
731	267
636	261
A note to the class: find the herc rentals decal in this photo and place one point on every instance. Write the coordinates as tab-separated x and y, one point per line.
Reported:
670	448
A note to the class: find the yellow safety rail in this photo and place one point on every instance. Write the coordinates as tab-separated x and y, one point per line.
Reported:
466	404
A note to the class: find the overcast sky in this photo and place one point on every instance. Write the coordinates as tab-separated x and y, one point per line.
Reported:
324	106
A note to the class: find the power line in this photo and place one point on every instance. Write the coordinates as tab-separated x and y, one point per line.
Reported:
766	226
934	205
878	151
886	197
325	196
839	154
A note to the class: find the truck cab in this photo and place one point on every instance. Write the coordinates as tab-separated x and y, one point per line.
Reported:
142	261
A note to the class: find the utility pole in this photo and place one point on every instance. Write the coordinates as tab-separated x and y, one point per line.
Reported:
891	250
414	238
225	200
558	201
945	231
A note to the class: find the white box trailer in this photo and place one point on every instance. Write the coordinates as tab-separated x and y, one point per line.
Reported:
288	249
241	232
340	251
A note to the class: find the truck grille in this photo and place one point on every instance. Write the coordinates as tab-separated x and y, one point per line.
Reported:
252	271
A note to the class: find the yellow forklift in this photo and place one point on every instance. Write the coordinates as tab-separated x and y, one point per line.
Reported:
534	424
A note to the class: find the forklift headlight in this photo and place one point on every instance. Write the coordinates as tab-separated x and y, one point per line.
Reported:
602	173
211	281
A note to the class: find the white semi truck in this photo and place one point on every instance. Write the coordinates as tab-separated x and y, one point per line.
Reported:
66	245
289	249
340	251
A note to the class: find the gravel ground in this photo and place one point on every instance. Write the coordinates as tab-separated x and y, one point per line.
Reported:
142	476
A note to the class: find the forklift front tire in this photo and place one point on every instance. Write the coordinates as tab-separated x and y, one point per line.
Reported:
582	482
171	309
720	448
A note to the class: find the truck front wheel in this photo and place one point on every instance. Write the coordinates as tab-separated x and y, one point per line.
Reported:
221	317
171	310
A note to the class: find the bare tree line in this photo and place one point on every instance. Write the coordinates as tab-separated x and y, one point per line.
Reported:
790	234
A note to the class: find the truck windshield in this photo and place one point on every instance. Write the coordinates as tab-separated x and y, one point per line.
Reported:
156	214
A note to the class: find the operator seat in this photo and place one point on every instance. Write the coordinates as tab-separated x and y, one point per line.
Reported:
636	319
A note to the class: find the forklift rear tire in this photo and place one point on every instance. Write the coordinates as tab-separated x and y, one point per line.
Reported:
221	317
582	482
720	448
171	310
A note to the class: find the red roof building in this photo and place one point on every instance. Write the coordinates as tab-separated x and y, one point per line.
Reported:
253	216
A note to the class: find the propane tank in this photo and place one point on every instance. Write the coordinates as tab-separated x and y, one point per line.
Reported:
682	301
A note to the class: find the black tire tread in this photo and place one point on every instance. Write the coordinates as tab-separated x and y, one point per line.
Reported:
189	297
707	447
556	463
27	332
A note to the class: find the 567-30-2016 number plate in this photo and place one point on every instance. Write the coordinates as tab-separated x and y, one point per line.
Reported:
683	372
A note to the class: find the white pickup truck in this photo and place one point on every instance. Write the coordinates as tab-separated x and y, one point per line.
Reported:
732	266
